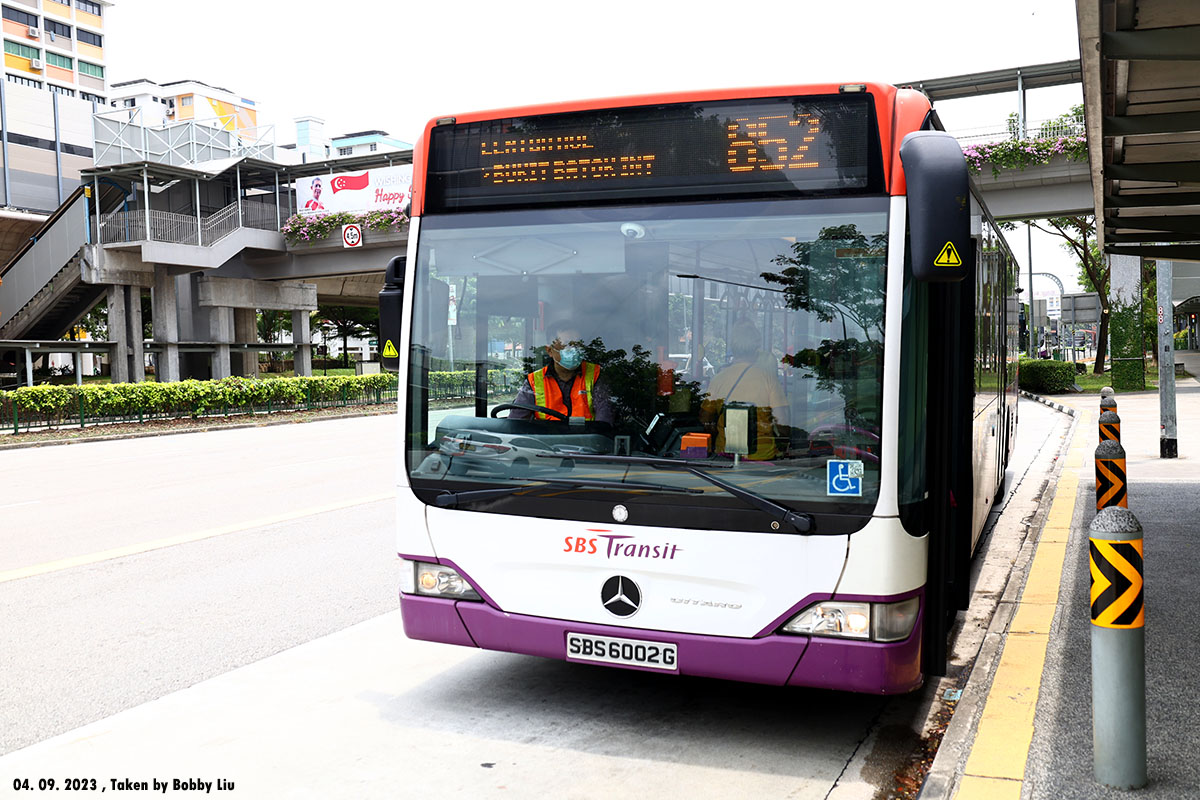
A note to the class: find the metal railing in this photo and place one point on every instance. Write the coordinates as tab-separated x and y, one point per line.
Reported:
125	135
1055	128
172	228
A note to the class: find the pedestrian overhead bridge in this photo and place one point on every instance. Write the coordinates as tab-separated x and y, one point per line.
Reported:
193	217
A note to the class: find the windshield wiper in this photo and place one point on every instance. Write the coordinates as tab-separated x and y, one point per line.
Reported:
452	499
803	523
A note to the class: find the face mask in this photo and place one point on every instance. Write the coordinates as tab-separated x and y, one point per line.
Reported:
570	357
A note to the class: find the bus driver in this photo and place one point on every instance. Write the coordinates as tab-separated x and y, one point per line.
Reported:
569	385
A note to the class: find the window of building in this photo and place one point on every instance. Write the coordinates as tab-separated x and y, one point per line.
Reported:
88	6
61	90
57	28
95	98
22	50
59	61
87	37
95	70
345	151
186	100
24	81
20	17
374	147
130	103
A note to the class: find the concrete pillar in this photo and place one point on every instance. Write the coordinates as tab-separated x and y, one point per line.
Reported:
220	322
77	356
118	332
166	325
193	327
302	338
1125	323
133	318
245	331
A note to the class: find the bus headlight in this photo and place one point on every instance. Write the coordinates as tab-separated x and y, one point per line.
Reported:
880	622
833	618
435	580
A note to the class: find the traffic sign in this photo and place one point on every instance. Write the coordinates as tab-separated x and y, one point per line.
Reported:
352	235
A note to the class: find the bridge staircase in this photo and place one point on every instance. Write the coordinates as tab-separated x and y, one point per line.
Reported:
42	290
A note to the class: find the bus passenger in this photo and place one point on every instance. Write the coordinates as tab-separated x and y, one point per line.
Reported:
746	381
568	377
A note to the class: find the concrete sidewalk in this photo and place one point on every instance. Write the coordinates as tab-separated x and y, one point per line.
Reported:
1031	737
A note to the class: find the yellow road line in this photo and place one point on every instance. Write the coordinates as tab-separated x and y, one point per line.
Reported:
184	538
996	765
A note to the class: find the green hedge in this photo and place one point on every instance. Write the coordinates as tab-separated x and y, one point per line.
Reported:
1181	340
1042	376
187	398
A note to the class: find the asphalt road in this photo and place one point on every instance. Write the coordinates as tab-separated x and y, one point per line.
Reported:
222	606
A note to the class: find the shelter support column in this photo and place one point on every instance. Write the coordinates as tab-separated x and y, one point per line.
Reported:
165	315
245	331
1168	441
1125	323
302	338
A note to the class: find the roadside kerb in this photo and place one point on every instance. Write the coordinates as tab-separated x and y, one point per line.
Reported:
1056	406
983	752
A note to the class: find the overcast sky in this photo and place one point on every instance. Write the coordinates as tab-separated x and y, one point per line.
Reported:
393	64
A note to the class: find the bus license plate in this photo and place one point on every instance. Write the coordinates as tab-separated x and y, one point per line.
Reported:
609	650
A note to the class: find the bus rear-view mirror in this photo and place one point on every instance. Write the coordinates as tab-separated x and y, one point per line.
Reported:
939	206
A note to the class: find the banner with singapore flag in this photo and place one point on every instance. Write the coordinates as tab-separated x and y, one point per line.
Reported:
357	192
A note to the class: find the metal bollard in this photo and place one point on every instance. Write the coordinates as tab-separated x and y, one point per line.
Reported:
1110	426
1118	650
1110	475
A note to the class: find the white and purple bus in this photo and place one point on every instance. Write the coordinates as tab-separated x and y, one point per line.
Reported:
801	324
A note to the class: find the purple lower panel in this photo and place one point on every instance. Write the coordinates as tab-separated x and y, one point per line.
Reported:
433	619
769	660
818	662
869	667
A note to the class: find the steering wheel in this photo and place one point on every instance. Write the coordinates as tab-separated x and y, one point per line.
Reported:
552	412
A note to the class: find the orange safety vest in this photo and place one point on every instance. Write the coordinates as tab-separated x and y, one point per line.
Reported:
547	393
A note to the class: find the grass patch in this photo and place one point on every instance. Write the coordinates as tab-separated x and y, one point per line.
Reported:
1092	384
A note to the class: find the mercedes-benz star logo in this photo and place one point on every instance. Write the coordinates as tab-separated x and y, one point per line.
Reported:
621	596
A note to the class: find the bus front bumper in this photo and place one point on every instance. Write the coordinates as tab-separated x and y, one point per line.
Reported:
820	662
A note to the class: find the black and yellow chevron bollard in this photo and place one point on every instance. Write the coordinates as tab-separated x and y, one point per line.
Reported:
1117	599
1110	475
1110	426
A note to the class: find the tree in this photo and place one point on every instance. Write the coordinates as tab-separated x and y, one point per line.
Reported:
95	322
348	321
1079	237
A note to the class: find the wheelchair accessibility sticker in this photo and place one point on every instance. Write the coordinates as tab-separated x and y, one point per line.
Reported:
843	478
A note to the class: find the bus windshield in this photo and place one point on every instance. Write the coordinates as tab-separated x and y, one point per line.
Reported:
743	338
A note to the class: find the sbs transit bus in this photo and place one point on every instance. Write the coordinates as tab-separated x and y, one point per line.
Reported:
823	243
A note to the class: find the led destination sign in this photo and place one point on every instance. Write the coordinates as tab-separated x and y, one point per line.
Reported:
787	145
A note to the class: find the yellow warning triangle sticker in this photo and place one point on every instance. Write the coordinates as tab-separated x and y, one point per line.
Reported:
389	350
948	257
